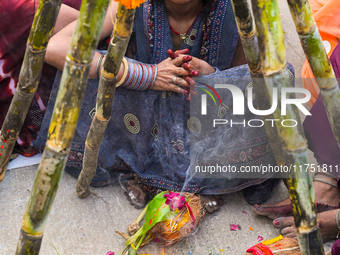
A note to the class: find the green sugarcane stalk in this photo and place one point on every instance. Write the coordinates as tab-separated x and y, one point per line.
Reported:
317	57
41	32
63	123
107	86
247	31
272	50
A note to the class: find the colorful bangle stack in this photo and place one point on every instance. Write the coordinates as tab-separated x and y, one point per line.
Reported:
137	76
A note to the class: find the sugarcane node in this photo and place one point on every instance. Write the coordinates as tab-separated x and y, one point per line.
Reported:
133	228
87	145
28	243
101	119
247	35
107	75
121	36
72	60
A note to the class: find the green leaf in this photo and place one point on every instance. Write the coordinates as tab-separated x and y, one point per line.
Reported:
132	251
157	211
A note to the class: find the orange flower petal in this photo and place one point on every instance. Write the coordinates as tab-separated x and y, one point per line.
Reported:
131	4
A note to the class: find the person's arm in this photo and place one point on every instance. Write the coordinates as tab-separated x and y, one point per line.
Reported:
239	56
59	43
66	15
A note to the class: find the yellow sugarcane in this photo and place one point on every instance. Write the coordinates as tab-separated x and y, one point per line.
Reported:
107	85
63	123
247	31
317	58
294	144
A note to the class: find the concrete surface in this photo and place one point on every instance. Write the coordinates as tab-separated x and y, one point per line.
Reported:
87	226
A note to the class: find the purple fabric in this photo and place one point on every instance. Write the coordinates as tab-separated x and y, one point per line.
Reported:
73	3
335	60
336	248
318	131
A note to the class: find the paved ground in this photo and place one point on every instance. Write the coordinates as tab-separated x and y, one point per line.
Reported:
88	226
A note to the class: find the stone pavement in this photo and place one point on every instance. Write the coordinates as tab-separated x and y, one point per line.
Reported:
87	226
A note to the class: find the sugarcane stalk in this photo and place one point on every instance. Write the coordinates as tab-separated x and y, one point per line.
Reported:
107	86
63	123
247	31
317	58
41	32
272	51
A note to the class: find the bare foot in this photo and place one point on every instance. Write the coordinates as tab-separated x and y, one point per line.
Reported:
326	196
326	224
211	203
135	195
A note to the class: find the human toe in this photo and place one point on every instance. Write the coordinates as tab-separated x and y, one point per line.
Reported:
283	222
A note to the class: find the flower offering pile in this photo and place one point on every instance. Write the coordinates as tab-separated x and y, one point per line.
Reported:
168	218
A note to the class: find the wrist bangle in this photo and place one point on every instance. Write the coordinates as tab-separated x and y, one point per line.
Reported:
140	76
99	63
155	69
125	74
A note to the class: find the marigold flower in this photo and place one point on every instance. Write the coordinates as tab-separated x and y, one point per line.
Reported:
131	4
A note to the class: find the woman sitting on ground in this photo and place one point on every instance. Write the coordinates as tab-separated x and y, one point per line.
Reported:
148	136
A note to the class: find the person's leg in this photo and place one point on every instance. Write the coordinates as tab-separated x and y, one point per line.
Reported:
211	203
326	223
327	196
139	198
136	195
327	153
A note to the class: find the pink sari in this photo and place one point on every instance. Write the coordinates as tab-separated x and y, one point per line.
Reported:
16	19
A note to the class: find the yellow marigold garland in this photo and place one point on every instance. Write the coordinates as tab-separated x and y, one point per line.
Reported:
131	4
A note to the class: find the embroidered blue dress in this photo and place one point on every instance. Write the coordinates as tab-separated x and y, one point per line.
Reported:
150	131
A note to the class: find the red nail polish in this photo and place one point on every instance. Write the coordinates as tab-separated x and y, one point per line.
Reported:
186	92
276	222
188	57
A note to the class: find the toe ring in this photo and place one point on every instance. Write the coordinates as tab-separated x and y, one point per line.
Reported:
131	195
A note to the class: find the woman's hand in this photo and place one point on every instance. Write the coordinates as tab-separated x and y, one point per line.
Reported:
202	67
195	66
170	75
199	65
